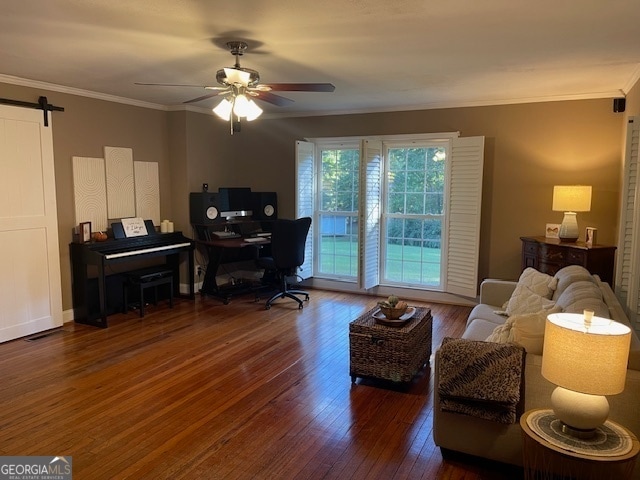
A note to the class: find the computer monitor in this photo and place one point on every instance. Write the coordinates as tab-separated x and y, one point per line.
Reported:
236	201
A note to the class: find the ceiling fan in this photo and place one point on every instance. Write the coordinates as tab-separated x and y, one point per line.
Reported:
236	84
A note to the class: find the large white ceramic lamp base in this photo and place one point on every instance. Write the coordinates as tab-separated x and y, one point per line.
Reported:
569	228
580	413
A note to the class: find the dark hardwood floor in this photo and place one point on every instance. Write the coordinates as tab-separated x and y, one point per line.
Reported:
213	391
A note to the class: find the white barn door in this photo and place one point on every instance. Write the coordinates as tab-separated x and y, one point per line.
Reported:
30	292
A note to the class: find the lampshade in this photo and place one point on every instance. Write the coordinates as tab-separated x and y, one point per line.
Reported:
253	111
586	359
571	198
240	105
223	110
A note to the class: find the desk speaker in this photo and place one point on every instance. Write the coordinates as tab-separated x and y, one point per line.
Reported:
265	205
205	208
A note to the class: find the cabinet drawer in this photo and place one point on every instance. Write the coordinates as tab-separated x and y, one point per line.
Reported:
577	257
552	254
530	248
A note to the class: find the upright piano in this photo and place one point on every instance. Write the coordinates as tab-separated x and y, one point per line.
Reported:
94	262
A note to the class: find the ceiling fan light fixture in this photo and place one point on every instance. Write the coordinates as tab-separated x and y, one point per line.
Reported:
236	76
223	110
253	111
241	105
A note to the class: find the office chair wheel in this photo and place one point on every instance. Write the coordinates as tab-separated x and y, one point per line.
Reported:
300	306
267	307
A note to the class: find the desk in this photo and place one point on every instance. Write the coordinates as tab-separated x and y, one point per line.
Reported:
544	460
225	250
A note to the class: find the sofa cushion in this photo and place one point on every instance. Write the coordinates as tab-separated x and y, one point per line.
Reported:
525	329
568	275
618	314
486	312
479	329
538	282
583	295
524	300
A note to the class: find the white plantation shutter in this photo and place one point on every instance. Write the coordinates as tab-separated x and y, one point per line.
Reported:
304	198
628	262
369	212
463	229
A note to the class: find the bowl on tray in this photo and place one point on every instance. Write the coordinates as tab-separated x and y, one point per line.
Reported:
393	313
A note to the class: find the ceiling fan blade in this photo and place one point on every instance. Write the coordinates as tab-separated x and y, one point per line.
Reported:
171	84
203	97
272	98
300	87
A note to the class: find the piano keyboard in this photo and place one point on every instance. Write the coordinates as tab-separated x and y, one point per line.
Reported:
130	253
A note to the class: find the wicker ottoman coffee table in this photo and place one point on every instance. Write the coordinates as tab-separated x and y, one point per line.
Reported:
389	353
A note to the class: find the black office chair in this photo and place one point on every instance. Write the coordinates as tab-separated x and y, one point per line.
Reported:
288	239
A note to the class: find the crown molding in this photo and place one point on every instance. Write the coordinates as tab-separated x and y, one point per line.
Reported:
428	106
25	82
467	104
635	76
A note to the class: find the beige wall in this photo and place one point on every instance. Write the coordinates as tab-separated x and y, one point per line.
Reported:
633	101
83	129
529	148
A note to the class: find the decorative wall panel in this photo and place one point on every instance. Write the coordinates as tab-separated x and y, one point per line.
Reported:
120	182
147	191
90	193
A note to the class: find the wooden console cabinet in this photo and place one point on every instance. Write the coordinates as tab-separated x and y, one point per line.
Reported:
548	255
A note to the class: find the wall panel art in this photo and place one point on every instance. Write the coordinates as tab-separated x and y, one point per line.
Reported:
120	182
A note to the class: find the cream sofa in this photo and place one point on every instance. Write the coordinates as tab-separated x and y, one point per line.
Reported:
570	292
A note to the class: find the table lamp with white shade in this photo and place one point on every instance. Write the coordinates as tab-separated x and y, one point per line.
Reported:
586	357
570	199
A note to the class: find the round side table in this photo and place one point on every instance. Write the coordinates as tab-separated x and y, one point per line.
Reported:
552	456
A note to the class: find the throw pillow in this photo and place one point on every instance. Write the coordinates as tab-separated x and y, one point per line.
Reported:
527	330
580	295
538	282
501	333
524	300
569	275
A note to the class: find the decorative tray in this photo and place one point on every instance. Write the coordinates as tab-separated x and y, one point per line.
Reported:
381	319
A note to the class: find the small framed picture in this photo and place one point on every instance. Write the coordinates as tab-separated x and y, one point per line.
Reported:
552	230
85	232
591	235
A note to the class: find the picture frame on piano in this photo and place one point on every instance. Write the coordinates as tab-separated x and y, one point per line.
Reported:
84	232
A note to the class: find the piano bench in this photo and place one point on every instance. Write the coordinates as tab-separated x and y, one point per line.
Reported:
144	278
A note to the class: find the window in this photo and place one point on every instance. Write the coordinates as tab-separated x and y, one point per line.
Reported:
337	212
396	211
413	214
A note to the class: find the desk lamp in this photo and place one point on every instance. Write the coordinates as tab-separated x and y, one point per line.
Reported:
570	199
586	357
